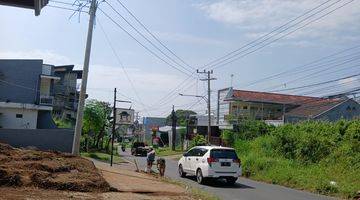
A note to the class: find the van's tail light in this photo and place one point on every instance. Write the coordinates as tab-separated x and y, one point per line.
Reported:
211	160
237	161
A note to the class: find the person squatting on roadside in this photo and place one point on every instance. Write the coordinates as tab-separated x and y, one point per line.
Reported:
150	158
161	166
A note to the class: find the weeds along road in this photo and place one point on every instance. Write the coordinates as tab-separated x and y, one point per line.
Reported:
244	189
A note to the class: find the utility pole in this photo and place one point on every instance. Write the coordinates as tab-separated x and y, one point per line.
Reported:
80	110
173	134
114	126
208	79
113	129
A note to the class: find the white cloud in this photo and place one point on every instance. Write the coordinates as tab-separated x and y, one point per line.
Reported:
49	57
261	16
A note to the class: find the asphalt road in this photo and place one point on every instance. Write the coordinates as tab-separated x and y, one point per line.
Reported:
244	189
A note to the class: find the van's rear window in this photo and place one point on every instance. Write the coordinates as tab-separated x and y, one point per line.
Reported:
223	153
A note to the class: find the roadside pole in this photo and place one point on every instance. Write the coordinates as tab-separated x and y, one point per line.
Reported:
114	126
113	129
173	134
208	79
80	110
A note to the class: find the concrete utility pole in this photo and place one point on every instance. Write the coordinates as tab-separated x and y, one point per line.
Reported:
208	79
173	134
113	129
80	111
114	126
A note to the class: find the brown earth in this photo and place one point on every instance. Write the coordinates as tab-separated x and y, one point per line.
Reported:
33	175
48	170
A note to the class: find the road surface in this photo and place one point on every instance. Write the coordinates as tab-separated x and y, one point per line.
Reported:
244	189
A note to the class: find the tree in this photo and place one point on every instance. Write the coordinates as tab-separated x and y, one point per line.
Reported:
96	119
181	117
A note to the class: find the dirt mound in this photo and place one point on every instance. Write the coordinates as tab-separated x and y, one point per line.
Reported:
48	170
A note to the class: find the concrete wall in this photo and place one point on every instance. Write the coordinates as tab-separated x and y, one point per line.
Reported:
8	119
21	72
43	139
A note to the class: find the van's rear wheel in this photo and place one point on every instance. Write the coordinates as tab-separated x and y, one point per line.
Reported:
181	171
199	177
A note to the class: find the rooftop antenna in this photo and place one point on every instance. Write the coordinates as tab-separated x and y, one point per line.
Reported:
232	77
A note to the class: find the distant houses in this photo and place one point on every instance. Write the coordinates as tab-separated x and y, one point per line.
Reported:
236	105
66	94
26	94
29	93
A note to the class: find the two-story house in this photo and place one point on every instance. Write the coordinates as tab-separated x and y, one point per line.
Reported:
66	95
26	94
274	108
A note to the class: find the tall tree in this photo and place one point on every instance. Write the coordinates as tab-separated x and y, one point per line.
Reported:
181	117
96	119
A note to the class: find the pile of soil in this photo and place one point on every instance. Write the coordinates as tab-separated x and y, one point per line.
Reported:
48	170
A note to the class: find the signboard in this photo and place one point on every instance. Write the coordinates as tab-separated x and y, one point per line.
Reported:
37	5
124	116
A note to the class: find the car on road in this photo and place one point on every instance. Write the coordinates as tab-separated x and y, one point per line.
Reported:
210	162
139	149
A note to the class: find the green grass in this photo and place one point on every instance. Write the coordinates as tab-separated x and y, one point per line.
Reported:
102	156
315	177
167	151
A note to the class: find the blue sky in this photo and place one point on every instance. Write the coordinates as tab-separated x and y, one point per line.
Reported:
198	31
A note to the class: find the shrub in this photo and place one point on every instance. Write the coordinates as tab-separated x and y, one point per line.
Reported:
352	135
250	129
228	137
322	157
198	140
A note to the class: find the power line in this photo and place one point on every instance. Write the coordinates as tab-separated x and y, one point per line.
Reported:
311	64
141	44
65	8
272	41
149	41
315	73
147	30
257	44
316	84
122	66
276	29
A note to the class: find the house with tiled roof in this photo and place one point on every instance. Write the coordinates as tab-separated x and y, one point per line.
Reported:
236	105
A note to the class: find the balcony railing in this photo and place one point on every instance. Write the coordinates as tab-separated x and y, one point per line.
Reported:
46	100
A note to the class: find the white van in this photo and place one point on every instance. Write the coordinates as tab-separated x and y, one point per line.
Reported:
207	162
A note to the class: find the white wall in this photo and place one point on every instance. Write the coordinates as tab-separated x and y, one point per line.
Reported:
8	118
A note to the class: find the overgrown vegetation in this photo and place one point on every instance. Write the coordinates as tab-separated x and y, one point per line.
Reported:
322	157
64	123
96	127
181	117
198	140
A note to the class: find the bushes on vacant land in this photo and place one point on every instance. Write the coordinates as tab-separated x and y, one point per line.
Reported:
246	130
322	157
251	129
306	142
